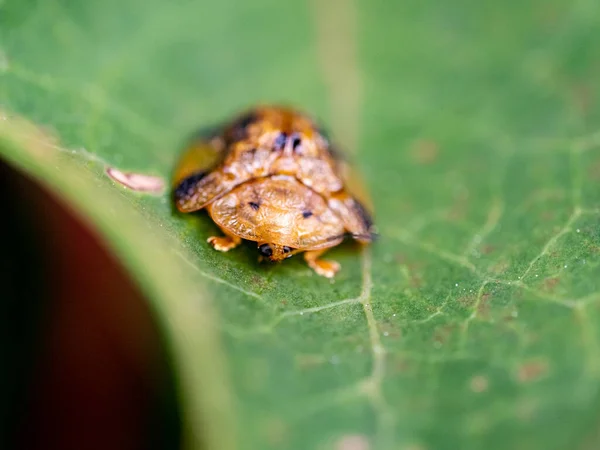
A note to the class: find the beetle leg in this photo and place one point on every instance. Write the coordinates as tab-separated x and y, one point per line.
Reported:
224	243
322	267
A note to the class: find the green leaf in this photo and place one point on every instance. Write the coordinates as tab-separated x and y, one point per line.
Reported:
473	323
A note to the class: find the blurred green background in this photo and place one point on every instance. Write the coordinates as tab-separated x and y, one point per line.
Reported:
473	323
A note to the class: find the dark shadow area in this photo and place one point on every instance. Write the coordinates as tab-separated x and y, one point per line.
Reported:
83	365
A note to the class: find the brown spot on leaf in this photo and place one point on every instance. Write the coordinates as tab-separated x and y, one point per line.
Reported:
399	365
275	431
547	215
137	181
551	283
500	267
581	97
442	334
458	210
415	280
479	384
424	151
487	249
353	442
548	15
510	316
532	371
483	309
308	361
594	170
260	283
466	301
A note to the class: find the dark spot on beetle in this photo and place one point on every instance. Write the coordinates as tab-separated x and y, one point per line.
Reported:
296	141
365	217
307	214
186	187
239	129
248	119
248	155
280	141
254	205
287	249
265	250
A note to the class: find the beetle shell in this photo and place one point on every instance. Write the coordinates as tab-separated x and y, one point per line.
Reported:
271	176
279	210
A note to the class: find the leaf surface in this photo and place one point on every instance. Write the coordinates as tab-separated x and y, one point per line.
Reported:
473	323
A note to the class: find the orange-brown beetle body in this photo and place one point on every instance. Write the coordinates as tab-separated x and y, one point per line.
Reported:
271	177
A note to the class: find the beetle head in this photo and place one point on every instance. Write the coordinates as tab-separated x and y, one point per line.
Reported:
275	252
